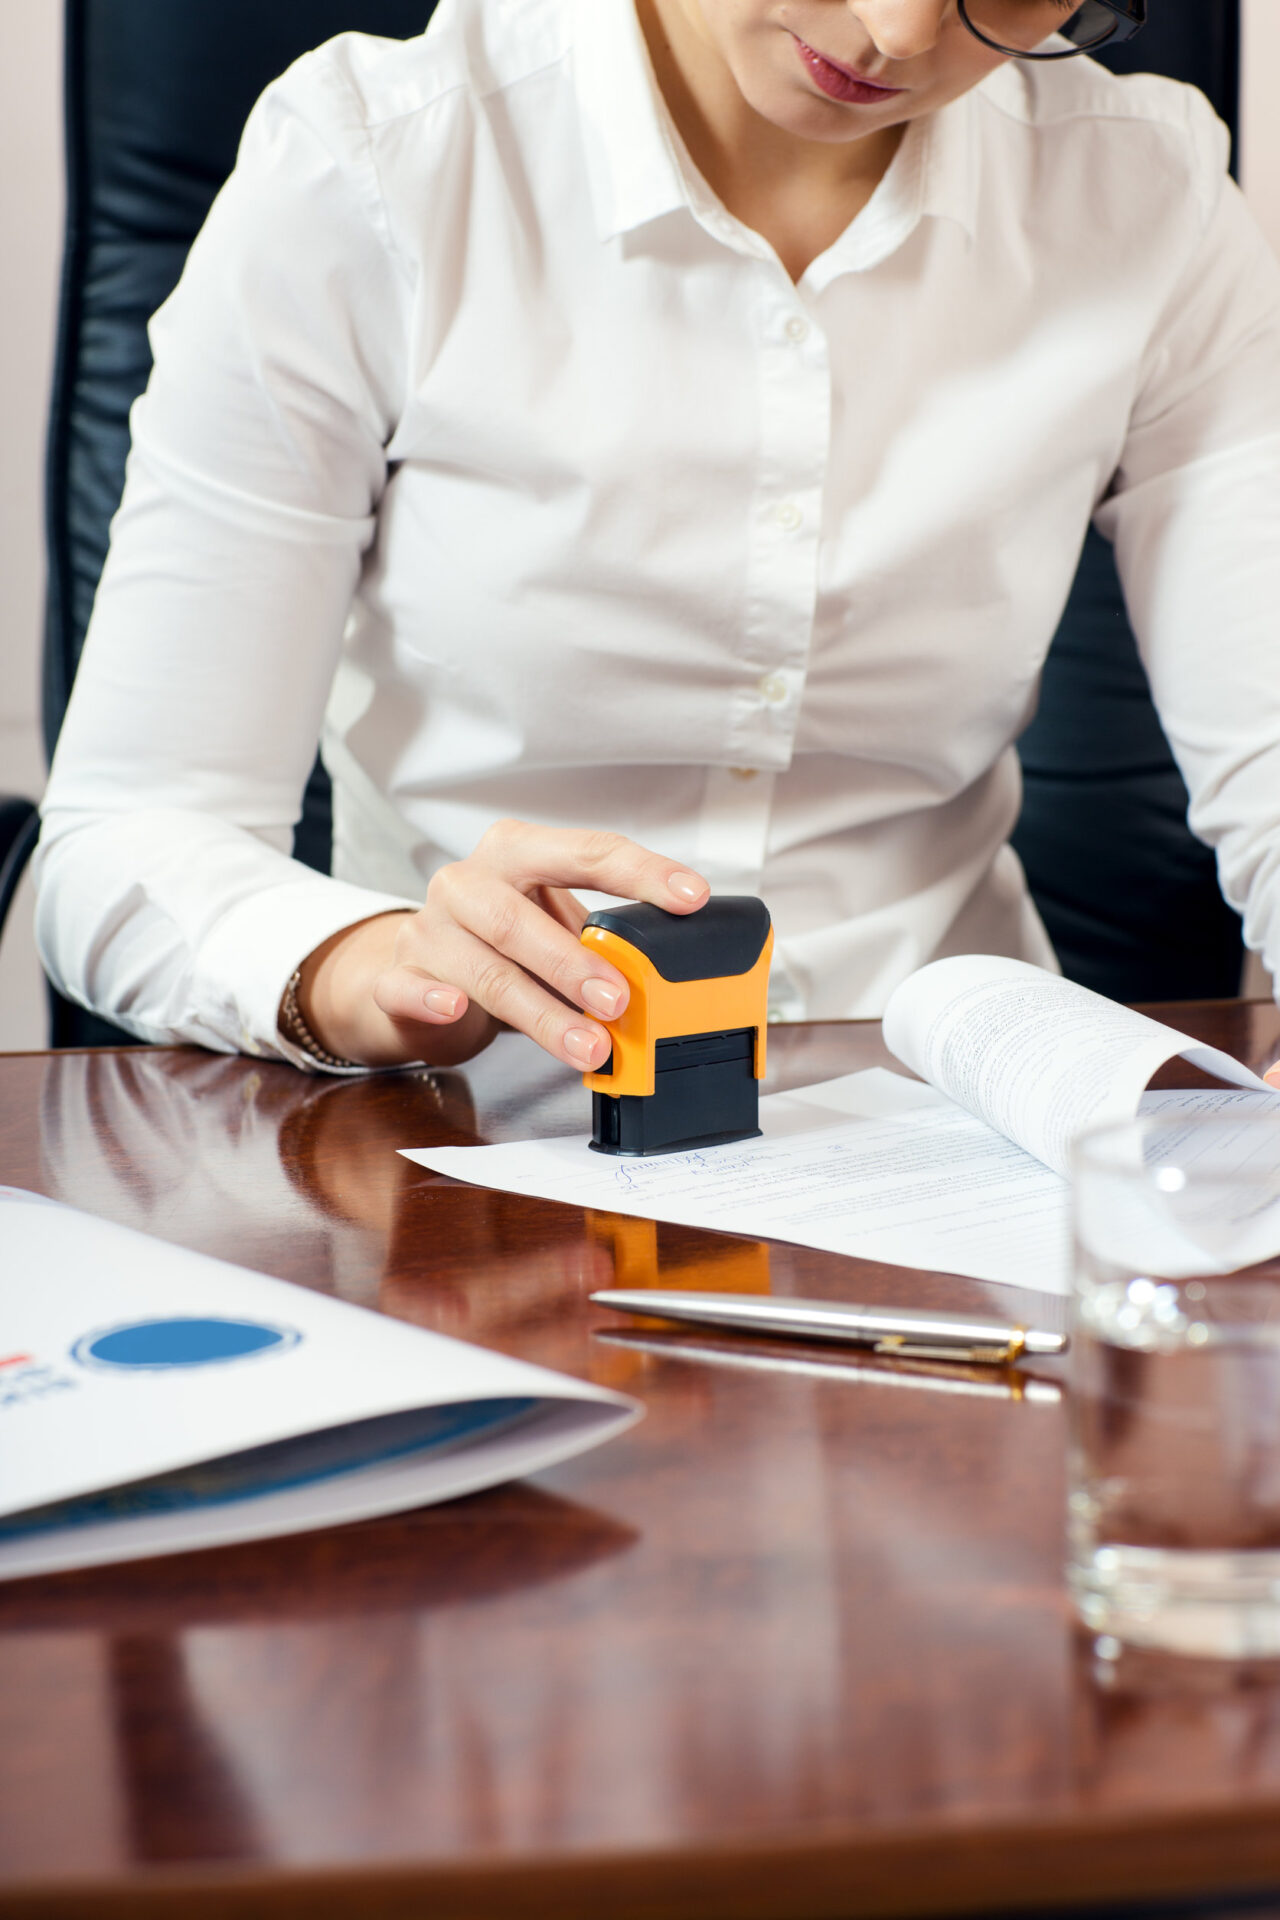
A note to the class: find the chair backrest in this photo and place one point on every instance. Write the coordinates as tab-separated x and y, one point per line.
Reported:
157	92
1129	895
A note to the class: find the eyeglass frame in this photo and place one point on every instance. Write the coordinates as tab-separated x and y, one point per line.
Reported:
1130	19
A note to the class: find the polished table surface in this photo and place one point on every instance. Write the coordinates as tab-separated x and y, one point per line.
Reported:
796	1645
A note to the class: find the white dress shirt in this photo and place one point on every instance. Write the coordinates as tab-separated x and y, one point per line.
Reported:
481	435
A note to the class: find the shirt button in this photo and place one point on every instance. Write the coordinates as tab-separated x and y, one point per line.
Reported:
796	329
773	688
788	516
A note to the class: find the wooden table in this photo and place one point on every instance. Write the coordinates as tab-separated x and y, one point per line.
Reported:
796	1646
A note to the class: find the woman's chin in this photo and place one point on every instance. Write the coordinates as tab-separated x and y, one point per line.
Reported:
804	113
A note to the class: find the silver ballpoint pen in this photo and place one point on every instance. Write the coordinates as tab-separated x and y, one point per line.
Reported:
901	1332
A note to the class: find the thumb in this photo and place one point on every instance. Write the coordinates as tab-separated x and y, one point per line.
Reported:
409	993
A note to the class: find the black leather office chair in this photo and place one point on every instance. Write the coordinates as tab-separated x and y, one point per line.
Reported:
1130	897
156	95
19	827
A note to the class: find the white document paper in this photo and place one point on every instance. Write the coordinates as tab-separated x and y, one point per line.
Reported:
140	1384
1224	1220
1037	1057
887	1169
872	1164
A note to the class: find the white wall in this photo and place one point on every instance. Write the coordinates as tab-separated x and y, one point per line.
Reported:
1260	122
30	244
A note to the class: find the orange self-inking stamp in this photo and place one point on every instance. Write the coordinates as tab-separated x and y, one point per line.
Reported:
688	1050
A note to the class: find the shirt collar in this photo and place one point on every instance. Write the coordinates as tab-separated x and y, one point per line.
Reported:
934	174
951	161
635	165
632	164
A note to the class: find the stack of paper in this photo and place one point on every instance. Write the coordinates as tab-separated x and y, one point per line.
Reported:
153	1399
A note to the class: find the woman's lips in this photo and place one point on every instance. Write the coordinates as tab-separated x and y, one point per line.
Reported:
839	83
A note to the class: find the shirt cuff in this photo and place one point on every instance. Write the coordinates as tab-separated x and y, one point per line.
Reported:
247	960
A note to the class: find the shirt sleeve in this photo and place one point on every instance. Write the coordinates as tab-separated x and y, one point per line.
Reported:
168	900
1194	514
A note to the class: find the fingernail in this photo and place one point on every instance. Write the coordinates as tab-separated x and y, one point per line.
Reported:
582	1046
443	1000
687	885
603	997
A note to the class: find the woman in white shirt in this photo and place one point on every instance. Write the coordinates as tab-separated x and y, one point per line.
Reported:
668	425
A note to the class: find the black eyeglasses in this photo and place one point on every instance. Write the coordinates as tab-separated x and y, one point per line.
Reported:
1007	26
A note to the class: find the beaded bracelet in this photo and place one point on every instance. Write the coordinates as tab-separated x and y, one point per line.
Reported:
295	1029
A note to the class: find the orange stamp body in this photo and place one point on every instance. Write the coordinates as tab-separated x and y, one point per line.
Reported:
689	1048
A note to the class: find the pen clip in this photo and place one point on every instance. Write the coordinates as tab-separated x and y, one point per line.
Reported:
900	1346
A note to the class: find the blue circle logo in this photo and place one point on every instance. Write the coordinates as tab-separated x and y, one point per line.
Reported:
192	1342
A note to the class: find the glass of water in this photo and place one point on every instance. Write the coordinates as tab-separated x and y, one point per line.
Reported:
1174	1481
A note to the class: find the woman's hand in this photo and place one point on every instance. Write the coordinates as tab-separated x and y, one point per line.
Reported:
496	943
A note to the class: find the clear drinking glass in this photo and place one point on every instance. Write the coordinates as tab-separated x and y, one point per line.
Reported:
1174	1482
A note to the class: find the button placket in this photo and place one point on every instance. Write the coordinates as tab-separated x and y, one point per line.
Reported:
733	828
794	444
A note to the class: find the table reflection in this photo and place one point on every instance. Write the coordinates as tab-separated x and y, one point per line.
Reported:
843	1625
802	1595
180	1789
1211	1726
186	1146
